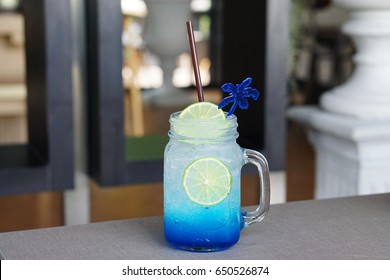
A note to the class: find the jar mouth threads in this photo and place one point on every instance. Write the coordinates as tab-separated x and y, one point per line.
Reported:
203	129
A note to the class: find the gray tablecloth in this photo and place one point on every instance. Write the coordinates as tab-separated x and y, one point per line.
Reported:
343	228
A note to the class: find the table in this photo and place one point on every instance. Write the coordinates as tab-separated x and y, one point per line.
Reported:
341	228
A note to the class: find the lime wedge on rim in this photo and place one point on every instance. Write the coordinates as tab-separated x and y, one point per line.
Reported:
207	181
201	120
202	110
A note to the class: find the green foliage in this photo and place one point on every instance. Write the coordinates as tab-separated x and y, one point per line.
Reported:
298	15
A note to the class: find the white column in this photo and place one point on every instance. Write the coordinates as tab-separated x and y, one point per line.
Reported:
166	36
351	131
366	94
352	155
77	201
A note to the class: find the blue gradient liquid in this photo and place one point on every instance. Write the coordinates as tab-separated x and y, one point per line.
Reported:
202	228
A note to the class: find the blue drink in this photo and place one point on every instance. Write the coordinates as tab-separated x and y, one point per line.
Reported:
202	168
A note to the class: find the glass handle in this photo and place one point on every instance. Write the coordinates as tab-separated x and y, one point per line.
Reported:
257	159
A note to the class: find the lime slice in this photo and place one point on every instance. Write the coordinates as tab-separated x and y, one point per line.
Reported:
202	110
207	181
201	120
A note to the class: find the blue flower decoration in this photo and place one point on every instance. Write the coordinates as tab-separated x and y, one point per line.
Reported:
238	95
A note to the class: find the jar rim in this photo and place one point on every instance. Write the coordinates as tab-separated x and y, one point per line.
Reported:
174	118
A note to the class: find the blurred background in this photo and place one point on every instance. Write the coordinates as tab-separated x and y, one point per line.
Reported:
156	80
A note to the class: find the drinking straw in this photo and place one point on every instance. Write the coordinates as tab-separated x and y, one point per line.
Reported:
195	63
